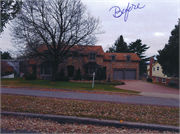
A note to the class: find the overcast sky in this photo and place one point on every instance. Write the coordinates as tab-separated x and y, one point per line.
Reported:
152	23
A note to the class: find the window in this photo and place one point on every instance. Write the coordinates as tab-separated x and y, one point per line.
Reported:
46	70
153	68
157	68
163	80
75	54
113	58
92	56
128	59
157	79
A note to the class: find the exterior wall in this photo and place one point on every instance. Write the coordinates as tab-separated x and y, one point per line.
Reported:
78	63
158	73
167	80
118	65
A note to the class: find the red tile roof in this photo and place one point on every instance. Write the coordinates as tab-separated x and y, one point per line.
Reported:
121	56
81	48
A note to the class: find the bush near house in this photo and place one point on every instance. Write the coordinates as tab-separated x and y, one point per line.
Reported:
172	84
101	74
149	80
78	75
61	77
30	77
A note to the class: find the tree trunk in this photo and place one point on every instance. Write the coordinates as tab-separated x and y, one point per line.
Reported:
54	73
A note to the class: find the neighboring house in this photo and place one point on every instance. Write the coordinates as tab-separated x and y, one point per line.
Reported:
154	71
9	66
89	59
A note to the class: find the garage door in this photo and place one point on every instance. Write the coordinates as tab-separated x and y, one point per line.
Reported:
124	74
118	74
130	74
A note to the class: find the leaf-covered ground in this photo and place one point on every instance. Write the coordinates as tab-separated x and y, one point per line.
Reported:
101	110
26	124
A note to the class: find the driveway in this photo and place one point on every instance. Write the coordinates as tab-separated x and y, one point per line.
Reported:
148	89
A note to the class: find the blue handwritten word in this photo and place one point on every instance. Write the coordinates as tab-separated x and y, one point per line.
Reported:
118	12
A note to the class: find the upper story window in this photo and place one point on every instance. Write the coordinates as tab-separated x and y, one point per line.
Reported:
128	58
113	58
153	68
92	56
157	68
75	54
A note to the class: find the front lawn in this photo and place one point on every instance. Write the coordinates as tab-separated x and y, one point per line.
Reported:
101	110
63	85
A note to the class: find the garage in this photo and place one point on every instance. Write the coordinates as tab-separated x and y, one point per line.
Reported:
124	74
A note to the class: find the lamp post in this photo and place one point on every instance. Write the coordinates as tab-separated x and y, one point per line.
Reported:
93	79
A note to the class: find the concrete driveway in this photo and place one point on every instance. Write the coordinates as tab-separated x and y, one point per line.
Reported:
148	89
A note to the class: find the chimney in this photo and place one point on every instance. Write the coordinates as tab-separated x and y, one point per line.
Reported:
150	68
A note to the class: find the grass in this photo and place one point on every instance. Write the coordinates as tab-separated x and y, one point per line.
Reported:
63	85
101	110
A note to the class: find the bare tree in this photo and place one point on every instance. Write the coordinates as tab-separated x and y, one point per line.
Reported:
58	24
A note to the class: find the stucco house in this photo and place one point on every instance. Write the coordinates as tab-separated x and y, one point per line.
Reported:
89	59
154	71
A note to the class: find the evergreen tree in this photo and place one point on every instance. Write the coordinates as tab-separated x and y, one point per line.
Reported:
6	55
120	46
168	57
140	49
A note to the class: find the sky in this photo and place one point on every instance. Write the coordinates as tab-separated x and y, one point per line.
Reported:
152	21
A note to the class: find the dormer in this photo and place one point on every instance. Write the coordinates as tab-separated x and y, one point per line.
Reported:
113	57
92	55
128	58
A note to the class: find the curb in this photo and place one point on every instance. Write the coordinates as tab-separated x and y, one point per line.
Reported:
83	120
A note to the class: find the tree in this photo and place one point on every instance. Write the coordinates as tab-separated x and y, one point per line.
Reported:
140	49
6	55
59	25
120	46
9	9
168	57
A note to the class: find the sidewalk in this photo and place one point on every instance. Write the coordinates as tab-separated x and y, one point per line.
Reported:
81	120
133	99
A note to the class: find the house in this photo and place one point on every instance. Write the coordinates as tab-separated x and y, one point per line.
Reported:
154	71
9	66
89	59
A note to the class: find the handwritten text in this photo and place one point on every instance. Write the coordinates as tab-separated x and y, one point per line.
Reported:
118	12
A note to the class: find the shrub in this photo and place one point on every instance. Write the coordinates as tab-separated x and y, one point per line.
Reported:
78	75
149	79
172	84
30	77
101	74
62	78
87	77
61	73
